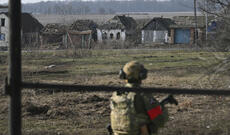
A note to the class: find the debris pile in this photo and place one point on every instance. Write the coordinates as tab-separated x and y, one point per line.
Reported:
54	28
112	25
120	22
53	34
83	25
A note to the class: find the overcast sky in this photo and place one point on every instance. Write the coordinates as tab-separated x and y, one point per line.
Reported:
26	1
23	1
33	1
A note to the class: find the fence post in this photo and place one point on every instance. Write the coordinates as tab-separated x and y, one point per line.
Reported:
14	75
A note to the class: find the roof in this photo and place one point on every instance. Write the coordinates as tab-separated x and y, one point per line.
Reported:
189	21
120	22
3	6
83	25
185	26
73	32
128	22
5	13
54	28
158	23
29	23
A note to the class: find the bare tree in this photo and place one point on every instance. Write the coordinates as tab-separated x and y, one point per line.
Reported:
215	7
221	10
86	9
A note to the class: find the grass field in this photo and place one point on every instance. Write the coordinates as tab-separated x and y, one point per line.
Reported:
80	113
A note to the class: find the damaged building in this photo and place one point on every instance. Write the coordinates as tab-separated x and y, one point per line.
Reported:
52	34
156	30
30	29
119	28
81	34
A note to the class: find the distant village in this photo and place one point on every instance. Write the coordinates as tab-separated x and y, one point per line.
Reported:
119	29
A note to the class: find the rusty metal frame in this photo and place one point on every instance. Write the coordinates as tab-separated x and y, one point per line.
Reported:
102	88
14	83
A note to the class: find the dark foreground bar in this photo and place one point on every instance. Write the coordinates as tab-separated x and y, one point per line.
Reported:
88	88
14	75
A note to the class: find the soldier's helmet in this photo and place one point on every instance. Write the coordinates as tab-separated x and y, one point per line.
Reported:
133	70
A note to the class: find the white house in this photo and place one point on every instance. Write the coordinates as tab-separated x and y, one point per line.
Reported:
30	28
156	30
4	29
119	28
111	34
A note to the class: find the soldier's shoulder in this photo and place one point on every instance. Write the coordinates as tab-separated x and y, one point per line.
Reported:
149	98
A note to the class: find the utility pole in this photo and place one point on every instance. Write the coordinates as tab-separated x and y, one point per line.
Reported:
195	16
128	7
206	20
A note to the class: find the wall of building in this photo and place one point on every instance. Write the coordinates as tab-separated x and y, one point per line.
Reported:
46	39
4	30
200	35
150	36
111	35
172	36
79	40
147	36
192	35
99	35
30	39
160	36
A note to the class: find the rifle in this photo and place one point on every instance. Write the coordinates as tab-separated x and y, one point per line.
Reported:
169	100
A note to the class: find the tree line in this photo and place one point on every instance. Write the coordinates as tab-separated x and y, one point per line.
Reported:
107	7
221	10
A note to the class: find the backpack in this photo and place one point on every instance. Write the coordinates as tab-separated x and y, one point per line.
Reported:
124	116
123	113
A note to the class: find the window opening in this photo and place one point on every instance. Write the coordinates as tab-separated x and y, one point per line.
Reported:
104	35
2	37
118	35
2	22
169	32
111	36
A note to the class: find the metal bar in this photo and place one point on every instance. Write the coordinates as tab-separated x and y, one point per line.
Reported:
14	75
81	88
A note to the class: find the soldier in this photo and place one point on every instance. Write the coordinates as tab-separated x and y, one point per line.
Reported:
135	113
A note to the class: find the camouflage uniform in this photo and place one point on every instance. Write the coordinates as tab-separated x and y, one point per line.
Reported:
132	110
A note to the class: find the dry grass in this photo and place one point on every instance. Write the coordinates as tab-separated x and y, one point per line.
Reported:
81	113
